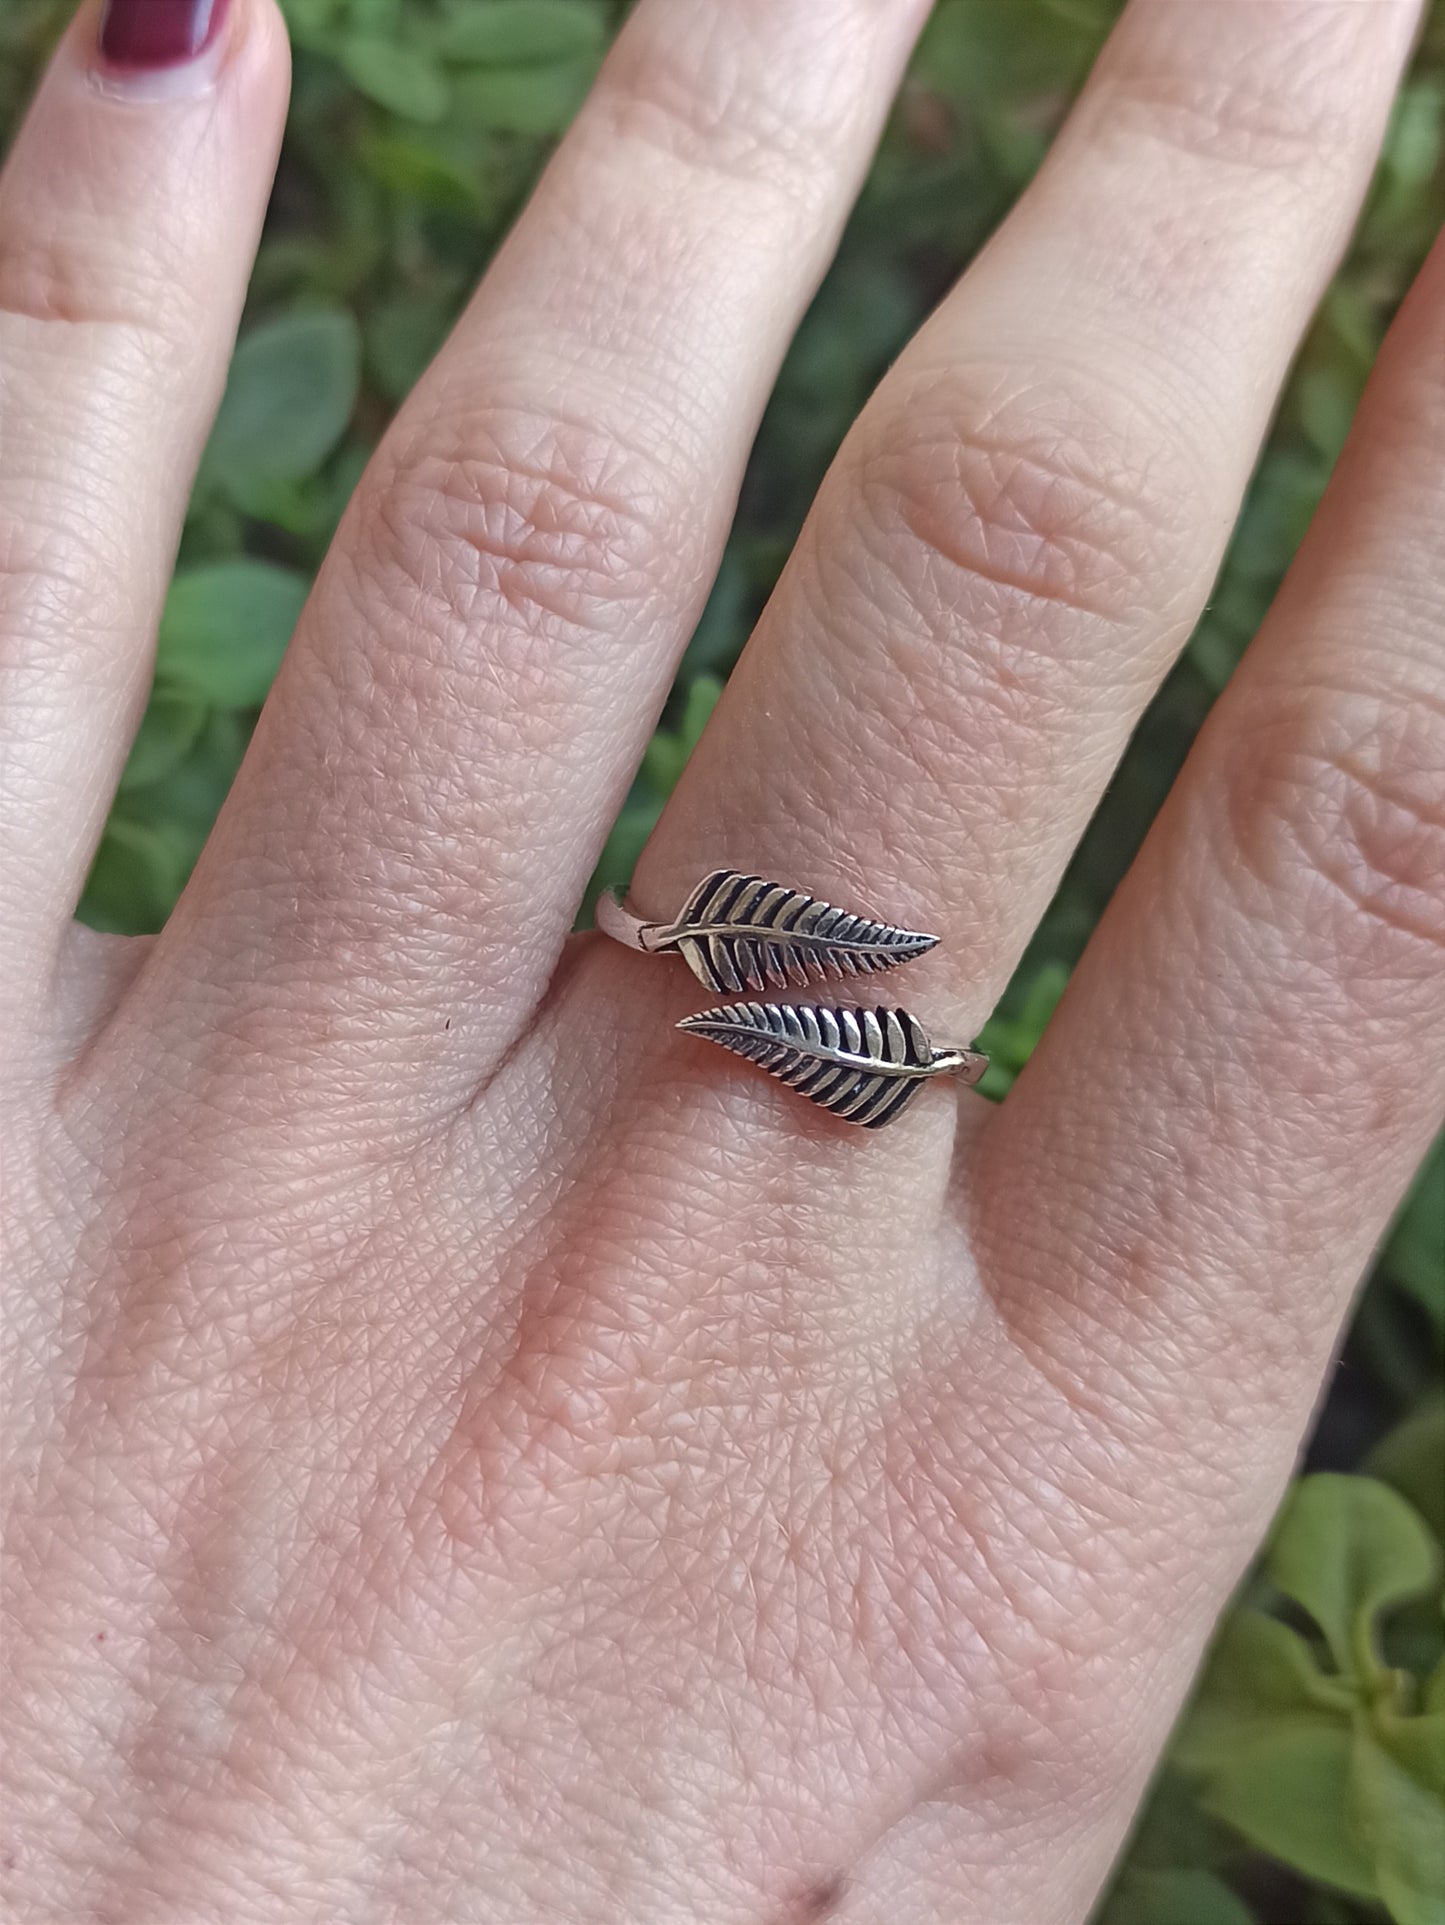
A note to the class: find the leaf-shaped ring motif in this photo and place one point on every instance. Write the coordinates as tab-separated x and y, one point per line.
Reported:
865	1065
742	932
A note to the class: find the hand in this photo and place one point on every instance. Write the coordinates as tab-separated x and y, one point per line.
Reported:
476	1453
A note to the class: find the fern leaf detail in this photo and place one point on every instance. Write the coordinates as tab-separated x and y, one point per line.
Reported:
864	1065
741	932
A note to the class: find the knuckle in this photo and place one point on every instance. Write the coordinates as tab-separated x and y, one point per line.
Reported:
728	99
1336	805
41	569
701	131
536	530
1016	542
1286	102
1033	509
53	280
41	281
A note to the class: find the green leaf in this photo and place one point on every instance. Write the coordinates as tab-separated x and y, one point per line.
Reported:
1417	133
1288	1793
136	876
378	18
311	22
1321	1907
412	170
1279	1746
1010	1040
702	699
225	629
1214	651
402	335
521	33
187	803
1001	51
525	100
1327	397
667	753
291	391
1347	1548
722	627
622	849
405	80
1173	1898
1398	1807
1259	1673
168	731
1411	1459
1173	1831
1043	998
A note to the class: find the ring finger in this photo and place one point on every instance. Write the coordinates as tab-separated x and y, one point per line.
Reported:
1024	525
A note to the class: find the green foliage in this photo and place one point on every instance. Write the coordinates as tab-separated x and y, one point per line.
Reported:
1011	1040
1304	1788
1348	1549
224	631
288	400
661	766
1308	1743
509	34
1414	1252
404	79
1145	1897
1410	1458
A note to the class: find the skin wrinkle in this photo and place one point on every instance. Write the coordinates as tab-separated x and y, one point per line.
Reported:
72	272
1282	107
1354	791
521	1471
512	518
1103	327
94	232
989	488
613	347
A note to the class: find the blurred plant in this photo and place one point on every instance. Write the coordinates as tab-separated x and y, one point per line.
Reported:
1309	1742
1304	1787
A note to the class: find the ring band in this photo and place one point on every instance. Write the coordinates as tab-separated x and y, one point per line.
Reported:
863	1065
739	932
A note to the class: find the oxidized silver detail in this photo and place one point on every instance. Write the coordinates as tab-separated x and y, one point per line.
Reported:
864	1065
741	932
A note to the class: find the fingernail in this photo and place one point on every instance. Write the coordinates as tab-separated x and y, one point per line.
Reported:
144	35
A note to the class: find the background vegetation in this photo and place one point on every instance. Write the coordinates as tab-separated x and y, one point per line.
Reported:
1307	1784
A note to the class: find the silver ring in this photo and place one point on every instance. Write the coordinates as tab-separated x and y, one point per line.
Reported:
863	1065
739	932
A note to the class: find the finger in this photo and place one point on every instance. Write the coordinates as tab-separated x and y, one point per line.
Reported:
495	632
1251	1059
129	211
1020	532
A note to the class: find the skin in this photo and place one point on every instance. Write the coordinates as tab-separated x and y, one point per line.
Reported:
473	1453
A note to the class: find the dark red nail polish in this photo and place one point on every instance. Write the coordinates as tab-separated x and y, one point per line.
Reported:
159	33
